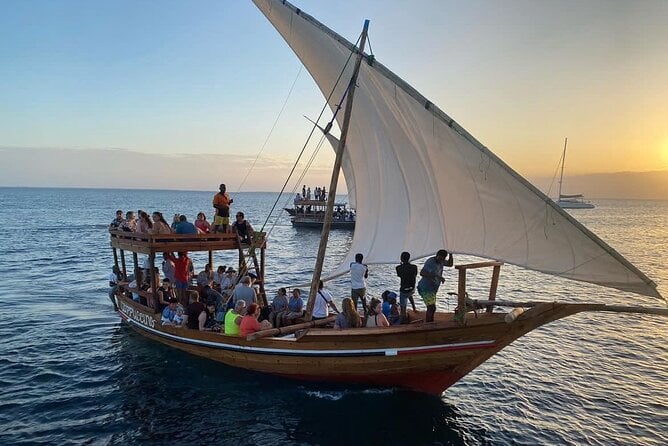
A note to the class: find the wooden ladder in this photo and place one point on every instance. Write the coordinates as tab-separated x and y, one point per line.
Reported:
246	253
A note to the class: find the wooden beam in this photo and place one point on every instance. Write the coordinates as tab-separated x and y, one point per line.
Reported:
290	328
327	222
478	265
493	286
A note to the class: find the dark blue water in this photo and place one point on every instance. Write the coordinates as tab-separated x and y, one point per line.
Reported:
71	373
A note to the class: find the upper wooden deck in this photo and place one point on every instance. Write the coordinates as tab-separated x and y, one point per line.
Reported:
142	243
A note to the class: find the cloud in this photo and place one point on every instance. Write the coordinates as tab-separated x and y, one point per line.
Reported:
120	168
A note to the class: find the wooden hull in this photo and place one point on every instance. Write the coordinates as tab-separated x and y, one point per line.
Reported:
422	357
317	224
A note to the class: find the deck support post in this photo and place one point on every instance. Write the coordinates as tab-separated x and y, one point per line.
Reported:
115	257
154	284
493	286
123	267
138	274
211	260
461	297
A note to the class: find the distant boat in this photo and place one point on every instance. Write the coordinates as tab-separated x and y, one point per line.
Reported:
570	201
311	214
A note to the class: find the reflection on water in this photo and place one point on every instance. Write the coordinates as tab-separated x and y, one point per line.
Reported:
71	372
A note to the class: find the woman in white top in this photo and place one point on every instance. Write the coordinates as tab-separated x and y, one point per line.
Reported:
376	318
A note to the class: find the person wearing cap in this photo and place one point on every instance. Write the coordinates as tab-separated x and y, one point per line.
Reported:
390	307
432	278
228	281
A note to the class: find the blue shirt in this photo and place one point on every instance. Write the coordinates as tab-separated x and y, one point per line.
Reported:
435	267
295	305
387	309
185	227
168	314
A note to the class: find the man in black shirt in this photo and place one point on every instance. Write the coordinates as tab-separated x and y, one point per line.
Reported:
407	272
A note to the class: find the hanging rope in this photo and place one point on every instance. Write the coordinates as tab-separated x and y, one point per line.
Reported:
308	139
301	67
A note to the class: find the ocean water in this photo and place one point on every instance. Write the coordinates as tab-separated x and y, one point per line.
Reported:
72	373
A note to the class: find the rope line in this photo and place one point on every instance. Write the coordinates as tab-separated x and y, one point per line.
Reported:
250	169
315	126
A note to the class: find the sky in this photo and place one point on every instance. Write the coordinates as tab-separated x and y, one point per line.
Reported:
198	86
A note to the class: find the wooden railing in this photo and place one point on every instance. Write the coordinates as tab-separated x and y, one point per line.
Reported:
461	289
152	243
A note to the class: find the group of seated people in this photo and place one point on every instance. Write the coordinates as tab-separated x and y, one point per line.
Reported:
156	224
218	303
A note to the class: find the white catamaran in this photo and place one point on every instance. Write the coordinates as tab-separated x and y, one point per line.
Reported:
422	183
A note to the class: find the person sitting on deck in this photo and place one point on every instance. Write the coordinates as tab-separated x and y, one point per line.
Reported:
211	322
390	307
278	307
169	312
218	276
205	277
376	318
129	224
118	221
227	284
249	323
202	224
175	222
185	227
243	229
180	316
195	317
233	318
349	317
322	300
244	291
165	294
144	225
160	226
298	198
295	308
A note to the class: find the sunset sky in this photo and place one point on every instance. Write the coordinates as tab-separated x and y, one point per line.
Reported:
180	80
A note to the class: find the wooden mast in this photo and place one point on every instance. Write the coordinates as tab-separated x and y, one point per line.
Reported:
335	178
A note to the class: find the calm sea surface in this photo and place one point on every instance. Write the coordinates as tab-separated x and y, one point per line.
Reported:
71	373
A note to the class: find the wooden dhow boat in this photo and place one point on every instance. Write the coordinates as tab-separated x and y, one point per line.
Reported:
311	214
413	166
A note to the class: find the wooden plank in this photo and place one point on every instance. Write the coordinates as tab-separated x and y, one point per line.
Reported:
477	265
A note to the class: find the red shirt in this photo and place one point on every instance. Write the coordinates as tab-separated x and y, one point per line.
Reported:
249	324
181	272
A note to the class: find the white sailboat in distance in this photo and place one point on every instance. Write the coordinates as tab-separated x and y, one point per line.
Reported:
572	201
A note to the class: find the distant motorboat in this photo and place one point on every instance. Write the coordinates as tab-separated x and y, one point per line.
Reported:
570	201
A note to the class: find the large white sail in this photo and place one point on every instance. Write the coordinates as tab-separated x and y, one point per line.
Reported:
423	183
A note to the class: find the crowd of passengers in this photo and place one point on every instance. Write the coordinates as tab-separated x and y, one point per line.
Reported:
218	303
156	224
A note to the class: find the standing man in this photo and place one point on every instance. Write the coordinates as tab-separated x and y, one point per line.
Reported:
359	272
222	202
182	265
432	278
407	272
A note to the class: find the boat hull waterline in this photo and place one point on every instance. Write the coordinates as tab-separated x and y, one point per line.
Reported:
426	358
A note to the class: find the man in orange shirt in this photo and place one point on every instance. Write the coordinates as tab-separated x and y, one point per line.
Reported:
222	202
